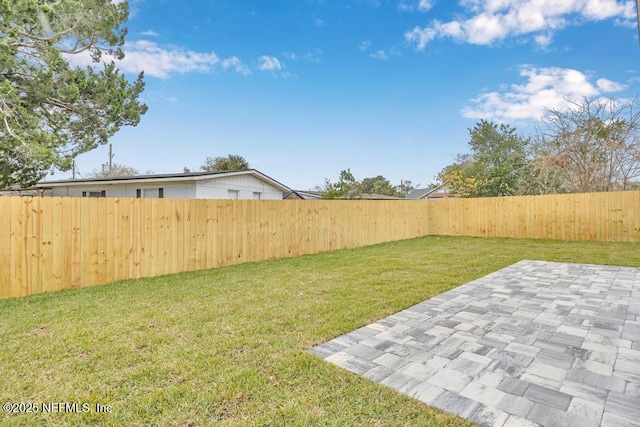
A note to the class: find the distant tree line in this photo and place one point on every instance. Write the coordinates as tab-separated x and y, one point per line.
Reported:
232	162
588	146
212	164
119	170
348	187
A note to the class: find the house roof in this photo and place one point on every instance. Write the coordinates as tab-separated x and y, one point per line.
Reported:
437	195
174	177
437	192
306	194
417	193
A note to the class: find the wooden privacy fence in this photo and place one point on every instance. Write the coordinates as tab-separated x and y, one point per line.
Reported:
51	243
602	217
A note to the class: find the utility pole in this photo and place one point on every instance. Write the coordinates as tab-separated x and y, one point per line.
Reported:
111	156
73	171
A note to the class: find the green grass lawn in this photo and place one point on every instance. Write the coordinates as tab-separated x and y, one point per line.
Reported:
230	345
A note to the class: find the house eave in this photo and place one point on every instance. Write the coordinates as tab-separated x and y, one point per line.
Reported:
160	178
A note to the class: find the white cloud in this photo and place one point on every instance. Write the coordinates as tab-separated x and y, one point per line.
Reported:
269	63
411	5
235	63
291	56
603	9
395	51
277	68
162	61
543	40
365	45
549	87
379	54
319	23
150	33
491	21
421	36
312	55
607	86
425	5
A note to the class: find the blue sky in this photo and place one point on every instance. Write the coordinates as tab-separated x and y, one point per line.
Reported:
305	88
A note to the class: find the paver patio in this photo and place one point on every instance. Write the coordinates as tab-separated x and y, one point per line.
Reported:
536	343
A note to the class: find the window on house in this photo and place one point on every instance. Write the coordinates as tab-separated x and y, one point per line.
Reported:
257	195
138	193
153	193
233	194
102	193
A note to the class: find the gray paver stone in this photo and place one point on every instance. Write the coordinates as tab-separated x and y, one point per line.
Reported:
633	390
350	362
589	409
418	370
515	405
427	393
513	386
450	379
466	366
515	421
488	416
556	359
378	373
611	420
624	406
396	380
582	390
544	395
482	393
597	380
517	359
460	405
552	417
364	352
543	370
506	369
390	360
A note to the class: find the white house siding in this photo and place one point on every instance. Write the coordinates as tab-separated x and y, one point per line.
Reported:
246	186
186	190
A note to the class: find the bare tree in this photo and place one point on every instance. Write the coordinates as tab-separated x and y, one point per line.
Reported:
593	145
